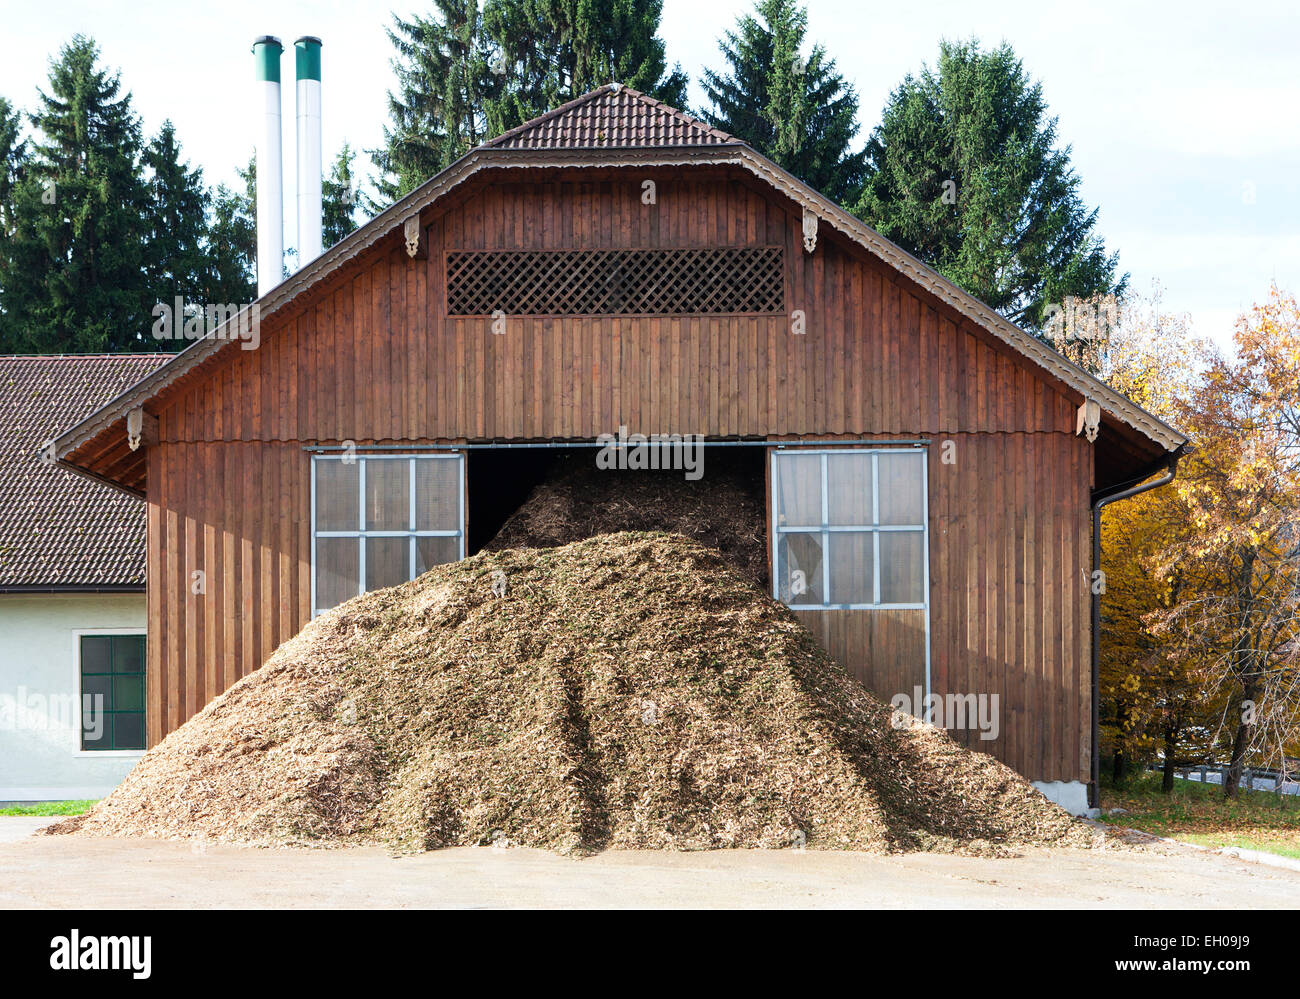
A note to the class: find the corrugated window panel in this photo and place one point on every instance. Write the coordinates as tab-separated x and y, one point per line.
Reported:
437	494
388	493
435	551
900	567
798	490
849	487
801	578
338	571
851	557
338	495
901	489
387	561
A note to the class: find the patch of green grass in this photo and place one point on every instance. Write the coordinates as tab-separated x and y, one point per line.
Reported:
1199	813
1282	845
45	808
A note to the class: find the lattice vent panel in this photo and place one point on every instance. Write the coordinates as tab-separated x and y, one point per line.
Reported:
615	282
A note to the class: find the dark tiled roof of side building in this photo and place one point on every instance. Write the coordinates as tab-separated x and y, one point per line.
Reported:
57	529
613	116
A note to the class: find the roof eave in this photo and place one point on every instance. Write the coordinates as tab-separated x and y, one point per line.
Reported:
734	153
87	473
376	230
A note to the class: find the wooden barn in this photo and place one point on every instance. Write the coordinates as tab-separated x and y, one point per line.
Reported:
930	469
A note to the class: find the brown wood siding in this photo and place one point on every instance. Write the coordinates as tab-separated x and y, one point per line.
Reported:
1009	600
883	649
360	359
1009	611
239	514
370	356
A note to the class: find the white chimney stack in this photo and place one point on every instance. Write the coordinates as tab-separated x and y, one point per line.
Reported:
270	180
310	234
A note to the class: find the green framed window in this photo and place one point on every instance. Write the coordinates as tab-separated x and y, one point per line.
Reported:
112	692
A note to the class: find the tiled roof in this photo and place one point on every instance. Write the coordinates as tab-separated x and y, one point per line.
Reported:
58	529
613	116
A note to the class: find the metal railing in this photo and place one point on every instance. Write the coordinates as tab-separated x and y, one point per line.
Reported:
1252	778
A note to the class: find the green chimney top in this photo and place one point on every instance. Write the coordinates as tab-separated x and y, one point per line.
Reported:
307	56
266	56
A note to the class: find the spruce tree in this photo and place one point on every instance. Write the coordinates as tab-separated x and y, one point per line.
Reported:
437	112
232	241
339	198
964	172
551	51
75	279
176	251
796	110
13	155
465	75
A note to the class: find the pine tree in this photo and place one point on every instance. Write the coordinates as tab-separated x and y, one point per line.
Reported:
176	251
75	279
798	111
964	172
339	198
13	156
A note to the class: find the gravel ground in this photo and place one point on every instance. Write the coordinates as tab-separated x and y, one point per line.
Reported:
51	871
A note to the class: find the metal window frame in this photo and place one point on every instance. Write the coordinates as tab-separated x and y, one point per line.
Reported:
826	528
876	529
362	533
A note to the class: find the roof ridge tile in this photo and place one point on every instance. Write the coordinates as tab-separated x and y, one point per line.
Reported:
612	115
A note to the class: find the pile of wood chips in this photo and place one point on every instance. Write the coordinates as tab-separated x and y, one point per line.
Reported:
725	509
626	691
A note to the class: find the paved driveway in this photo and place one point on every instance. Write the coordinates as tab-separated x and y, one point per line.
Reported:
15	828
52	871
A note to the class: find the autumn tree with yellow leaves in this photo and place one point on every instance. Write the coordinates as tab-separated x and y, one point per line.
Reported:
1231	578
1151	701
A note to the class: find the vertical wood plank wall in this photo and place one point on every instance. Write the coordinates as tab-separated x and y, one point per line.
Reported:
883	649
1009	599
371	356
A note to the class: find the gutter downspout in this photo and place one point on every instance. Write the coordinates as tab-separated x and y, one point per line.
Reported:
1100	499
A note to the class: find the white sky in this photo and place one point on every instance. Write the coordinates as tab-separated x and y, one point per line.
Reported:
1184	117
